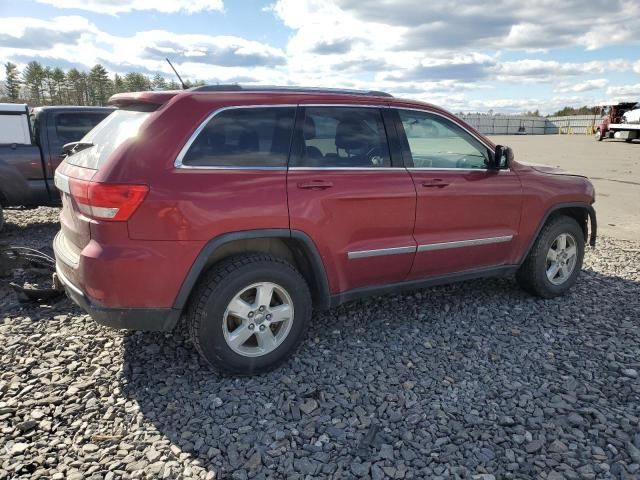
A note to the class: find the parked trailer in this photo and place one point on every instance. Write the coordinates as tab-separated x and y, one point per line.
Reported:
626	131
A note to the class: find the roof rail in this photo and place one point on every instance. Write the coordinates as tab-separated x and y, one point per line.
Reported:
268	88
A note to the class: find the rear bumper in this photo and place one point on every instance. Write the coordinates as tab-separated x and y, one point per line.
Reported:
147	319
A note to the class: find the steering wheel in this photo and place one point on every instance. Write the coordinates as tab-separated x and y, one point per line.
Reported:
462	163
374	155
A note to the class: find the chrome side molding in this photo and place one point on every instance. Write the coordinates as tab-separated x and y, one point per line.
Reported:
428	247
464	243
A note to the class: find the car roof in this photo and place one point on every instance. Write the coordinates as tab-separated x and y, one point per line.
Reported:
266	95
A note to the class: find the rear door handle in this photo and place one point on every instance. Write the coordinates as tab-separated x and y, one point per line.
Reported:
315	185
435	183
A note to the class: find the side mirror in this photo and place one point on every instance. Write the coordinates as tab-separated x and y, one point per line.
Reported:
502	158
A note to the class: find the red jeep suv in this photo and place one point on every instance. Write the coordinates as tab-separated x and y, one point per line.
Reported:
243	208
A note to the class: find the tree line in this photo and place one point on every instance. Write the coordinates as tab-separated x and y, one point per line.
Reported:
41	85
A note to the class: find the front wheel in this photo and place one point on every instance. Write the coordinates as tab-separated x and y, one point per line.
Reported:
249	313
598	135
555	261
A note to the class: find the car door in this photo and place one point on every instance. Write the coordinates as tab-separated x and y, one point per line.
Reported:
467	215
348	191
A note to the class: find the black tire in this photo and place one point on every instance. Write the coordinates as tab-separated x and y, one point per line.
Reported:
598	135
216	289
532	275
1	218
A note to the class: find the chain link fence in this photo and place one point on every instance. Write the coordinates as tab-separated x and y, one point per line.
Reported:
514	125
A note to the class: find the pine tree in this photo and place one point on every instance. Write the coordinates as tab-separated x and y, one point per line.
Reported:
58	78
158	82
118	84
85	89
50	85
74	86
101	86
136	82
12	81
33	77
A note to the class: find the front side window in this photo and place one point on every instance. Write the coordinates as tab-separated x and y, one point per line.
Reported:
343	137
435	142
244	137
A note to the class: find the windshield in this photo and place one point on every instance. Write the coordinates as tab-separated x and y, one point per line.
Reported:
108	135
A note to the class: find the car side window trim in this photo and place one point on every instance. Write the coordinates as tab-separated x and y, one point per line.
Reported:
179	161
406	152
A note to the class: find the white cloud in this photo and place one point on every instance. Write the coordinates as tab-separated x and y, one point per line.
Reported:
585	86
74	41
620	93
536	24
114	7
548	70
440	53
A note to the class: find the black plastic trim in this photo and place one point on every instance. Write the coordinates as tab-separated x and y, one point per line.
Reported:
146	319
358	293
320	276
592	218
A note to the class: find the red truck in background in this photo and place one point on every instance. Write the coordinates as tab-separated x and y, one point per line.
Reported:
620	121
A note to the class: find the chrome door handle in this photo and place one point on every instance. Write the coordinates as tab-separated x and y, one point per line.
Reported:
315	185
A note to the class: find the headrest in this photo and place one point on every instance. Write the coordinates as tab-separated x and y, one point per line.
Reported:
353	134
309	128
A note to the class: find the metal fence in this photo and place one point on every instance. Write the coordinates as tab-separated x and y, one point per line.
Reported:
512	125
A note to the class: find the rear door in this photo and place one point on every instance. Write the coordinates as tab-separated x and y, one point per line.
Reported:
467	215
348	190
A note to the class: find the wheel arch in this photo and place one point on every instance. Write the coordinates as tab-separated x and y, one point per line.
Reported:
583	213
291	245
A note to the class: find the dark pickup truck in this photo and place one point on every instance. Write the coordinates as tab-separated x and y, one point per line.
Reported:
31	148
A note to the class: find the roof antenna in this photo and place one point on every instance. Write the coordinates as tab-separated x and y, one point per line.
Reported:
184	87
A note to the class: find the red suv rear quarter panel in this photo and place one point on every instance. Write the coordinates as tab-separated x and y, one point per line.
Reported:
184	209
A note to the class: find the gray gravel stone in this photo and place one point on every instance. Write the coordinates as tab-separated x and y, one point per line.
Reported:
473	380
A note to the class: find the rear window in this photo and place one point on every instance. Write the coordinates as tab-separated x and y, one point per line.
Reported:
243	137
71	127
108	135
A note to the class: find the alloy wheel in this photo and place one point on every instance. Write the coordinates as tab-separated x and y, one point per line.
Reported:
561	258
258	319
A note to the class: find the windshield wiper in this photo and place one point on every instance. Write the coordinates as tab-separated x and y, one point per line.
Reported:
75	147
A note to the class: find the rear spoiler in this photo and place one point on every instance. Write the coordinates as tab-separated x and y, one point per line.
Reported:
141	101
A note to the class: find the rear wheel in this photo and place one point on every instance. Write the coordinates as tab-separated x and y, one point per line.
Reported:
598	135
555	261
249	313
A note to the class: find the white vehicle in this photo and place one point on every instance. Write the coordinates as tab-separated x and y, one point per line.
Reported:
14	124
632	116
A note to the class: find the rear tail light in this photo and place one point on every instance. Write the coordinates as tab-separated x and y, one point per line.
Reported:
114	202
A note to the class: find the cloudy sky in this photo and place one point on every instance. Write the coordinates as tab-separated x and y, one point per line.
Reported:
505	55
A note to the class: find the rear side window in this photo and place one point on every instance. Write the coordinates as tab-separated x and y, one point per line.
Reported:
243	137
343	137
118	127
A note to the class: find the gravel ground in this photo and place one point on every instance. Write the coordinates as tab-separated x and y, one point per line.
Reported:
476	380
